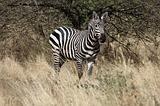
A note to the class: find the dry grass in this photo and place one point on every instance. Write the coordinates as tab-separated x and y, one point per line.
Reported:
34	85
110	85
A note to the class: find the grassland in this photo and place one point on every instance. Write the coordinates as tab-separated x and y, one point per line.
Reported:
119	84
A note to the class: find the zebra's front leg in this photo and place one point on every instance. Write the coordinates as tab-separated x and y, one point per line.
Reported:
90	67
79	68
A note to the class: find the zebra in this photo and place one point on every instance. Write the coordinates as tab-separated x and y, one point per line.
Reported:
79	46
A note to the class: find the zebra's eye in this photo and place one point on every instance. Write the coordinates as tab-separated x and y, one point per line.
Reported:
97	25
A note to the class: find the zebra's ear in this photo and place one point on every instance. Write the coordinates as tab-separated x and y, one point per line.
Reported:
95	15
104	15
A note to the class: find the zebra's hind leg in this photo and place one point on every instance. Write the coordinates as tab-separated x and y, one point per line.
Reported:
56	55
57	64
79	68
62	60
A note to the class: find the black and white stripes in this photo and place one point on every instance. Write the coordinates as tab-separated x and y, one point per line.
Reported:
81	46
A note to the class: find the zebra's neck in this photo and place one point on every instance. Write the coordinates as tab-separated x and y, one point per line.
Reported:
91	37
92	34
91	41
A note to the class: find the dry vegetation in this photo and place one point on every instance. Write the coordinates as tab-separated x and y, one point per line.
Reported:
119	84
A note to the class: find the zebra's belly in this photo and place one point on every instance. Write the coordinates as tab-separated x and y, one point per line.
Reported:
68	54
87	57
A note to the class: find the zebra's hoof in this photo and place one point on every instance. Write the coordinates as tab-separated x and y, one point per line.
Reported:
80	75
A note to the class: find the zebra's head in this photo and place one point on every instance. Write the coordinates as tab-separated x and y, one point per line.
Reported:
96	27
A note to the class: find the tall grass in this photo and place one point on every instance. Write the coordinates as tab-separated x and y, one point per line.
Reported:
35	84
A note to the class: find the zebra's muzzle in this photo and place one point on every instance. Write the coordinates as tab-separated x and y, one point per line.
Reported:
103	38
